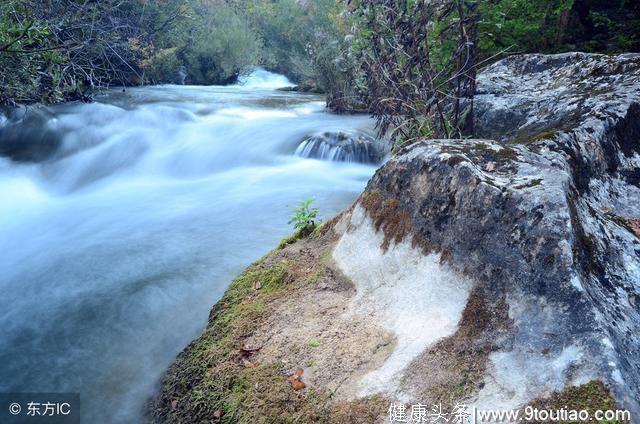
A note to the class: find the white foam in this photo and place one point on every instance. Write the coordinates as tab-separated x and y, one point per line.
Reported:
260	78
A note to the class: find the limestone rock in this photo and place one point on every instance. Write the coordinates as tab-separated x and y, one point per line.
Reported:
545	227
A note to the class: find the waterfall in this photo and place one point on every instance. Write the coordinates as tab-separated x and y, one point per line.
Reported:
260	78
341	147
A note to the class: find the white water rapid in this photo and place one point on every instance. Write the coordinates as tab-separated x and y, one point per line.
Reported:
116	243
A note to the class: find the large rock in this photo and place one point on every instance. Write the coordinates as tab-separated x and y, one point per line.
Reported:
26	134
546	219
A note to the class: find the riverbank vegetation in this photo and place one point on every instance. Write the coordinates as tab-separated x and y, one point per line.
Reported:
363	54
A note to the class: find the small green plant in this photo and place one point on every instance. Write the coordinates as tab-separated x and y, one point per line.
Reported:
304	217
314	343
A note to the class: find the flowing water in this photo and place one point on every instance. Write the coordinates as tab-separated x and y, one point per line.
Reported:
116	245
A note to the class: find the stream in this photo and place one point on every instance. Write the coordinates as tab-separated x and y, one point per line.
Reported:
118	237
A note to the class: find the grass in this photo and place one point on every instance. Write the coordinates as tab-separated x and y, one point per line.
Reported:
215	381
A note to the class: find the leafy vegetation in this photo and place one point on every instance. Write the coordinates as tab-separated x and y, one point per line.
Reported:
418	62
304	217
58	49
63	49
549	26
55	50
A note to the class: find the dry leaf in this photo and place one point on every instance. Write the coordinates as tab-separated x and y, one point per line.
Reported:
297	384
217	414
296	380
257	285
489	166
174	404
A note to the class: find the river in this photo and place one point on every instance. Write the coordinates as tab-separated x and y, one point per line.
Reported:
118	242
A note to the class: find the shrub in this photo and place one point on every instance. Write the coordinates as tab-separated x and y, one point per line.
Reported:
163	67
222	45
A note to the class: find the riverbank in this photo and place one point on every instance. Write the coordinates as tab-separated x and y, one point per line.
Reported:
295	340
277	347
494	274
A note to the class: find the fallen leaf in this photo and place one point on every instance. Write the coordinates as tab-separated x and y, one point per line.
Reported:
489	166
257	285
217	414
296	380
297	384
174	404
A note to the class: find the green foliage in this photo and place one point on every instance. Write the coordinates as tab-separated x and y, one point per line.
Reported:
163	67
221	44
62	49
522	25
548	26
59	50
304	217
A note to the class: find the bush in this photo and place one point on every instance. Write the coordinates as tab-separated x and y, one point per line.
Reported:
164	67
222	45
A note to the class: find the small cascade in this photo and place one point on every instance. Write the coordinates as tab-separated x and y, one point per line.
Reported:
341	147
260	78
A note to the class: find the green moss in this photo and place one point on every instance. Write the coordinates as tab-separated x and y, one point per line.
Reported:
532	183
319	230
507	154
204	379
215	380
527	139
454	160
288	240
591	396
